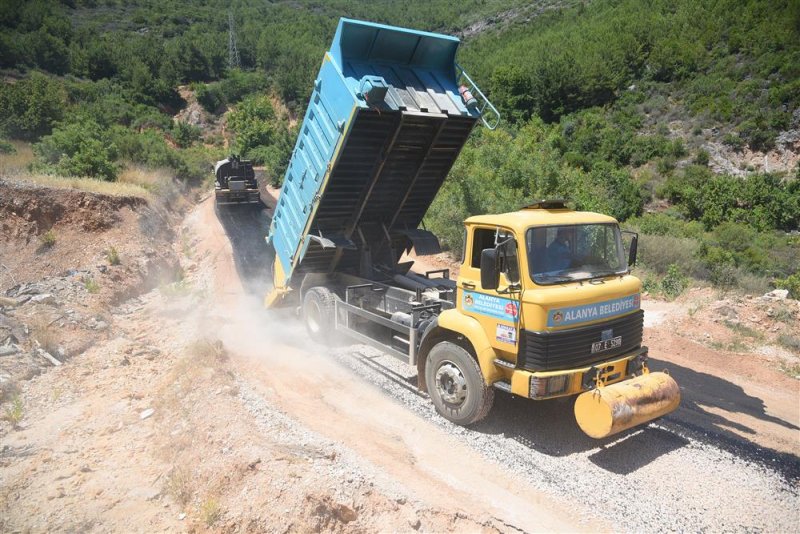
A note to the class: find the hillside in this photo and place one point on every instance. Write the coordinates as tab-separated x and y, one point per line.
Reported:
679	118
145	387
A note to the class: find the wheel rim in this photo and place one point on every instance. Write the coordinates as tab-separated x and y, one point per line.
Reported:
314	317
451	384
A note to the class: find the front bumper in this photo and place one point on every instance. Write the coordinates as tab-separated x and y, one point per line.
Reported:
551	384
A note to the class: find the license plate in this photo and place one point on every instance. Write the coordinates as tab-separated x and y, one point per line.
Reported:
608	344
236	185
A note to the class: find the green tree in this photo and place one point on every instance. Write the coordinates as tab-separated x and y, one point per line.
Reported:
77	149
30	107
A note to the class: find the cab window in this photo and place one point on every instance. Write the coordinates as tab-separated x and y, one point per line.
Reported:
484	238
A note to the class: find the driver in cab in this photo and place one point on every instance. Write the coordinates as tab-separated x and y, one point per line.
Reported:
559	252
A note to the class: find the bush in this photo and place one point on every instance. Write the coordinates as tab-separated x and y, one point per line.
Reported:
674	282
659	252
91	285
113	256
733	141
184	134
77	149
702	157
261	135
210	97
792	283
30	107
48	239
6	147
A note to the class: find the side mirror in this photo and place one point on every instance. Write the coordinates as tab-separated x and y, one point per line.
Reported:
490	272
632	250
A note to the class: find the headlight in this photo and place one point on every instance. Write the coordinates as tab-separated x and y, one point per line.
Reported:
541	387
636	363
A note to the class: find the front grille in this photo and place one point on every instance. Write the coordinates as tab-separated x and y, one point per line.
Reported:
568	349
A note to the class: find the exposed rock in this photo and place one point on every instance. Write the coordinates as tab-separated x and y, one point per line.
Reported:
146	413
44	298
726	312
11	330
8	350
777	294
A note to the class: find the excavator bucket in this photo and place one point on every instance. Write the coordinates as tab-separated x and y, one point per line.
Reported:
608	410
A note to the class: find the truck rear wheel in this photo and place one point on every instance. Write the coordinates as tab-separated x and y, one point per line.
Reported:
318	310
456	384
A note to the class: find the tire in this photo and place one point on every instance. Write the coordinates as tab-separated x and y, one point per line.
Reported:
456	384
318	310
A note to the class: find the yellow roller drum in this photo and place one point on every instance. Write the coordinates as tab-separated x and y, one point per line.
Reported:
607	410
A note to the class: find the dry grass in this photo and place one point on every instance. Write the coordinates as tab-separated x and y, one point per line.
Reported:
112	256
210	511
82	184
179	485
790	342
15	168
16	163
45	334
150	180
15	411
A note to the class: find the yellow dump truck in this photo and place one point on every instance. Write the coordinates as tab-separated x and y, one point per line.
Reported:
544	305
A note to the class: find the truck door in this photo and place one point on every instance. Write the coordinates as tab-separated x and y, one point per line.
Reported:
496	310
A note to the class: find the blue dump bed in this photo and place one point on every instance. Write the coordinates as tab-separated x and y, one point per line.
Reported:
383	127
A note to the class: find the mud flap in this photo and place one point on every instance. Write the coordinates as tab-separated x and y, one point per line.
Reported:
608	410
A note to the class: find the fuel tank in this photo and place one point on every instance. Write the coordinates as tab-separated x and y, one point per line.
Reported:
608	410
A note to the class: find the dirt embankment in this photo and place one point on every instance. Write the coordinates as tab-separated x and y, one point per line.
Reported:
65	257
47	231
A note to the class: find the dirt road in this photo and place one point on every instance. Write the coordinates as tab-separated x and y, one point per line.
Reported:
735	438
202	411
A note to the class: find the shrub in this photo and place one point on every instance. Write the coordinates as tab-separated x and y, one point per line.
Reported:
6	147
15	411
30	107
210	511
665	165
209	96
45	334
48	239
91	284
792	283
261	135
702	157
112	256
184	134
733	141
674	282
790	342
659	252
77	149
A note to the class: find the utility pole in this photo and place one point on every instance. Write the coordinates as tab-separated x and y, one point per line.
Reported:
233	51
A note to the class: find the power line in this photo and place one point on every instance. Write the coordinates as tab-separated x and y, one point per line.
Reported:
233	51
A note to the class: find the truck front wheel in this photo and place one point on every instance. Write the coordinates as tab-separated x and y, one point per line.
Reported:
318	310
456	384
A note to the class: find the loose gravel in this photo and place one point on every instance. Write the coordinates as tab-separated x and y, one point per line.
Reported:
663	477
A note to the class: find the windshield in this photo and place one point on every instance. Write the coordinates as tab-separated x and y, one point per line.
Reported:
575	252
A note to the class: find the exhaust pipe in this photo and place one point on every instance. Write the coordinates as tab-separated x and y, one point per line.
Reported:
607	410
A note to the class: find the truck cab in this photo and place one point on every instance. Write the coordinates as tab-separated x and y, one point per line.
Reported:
552	291
546	306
